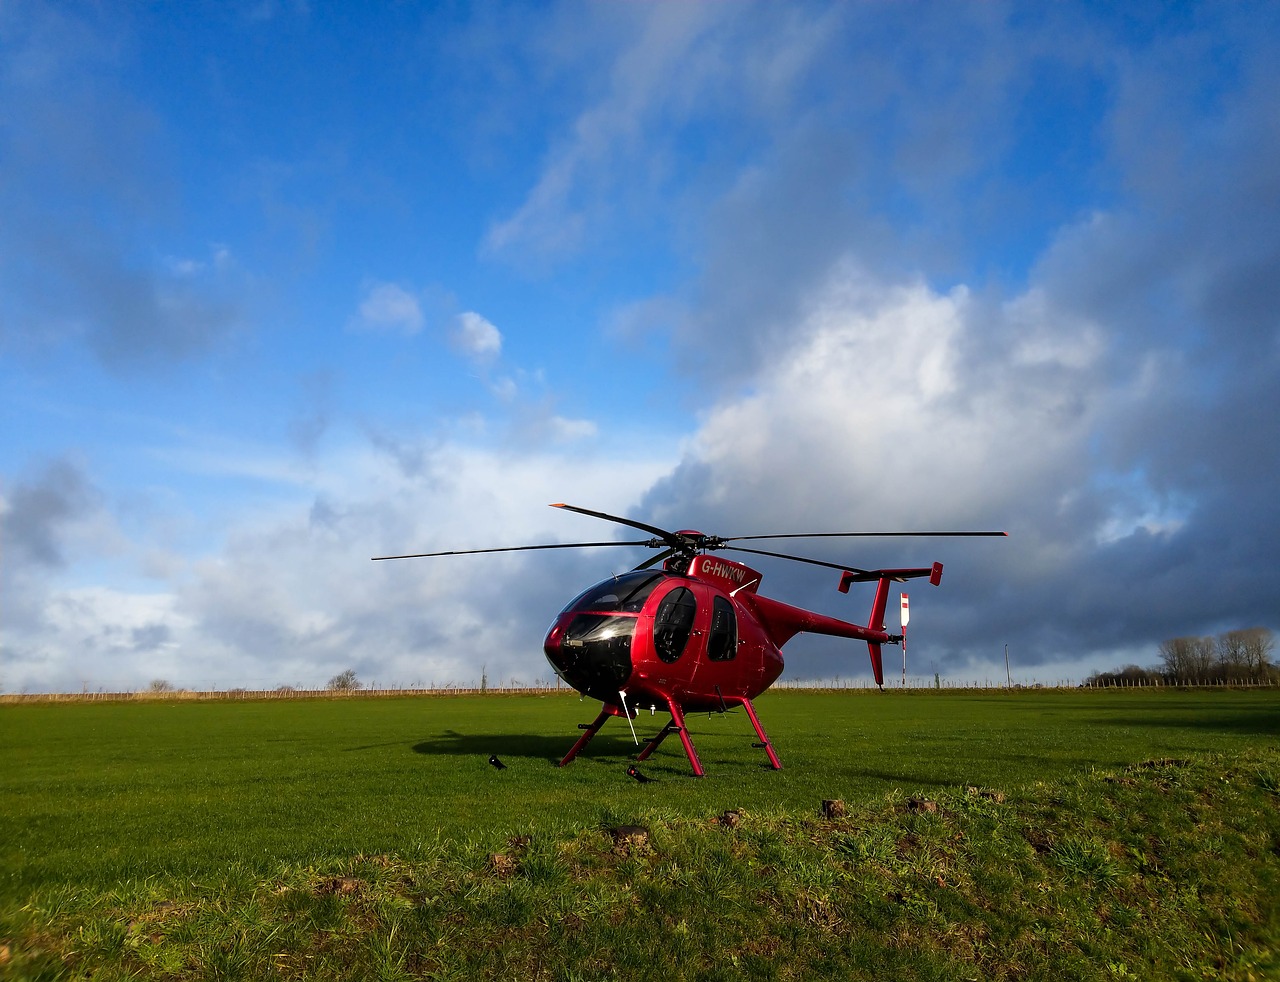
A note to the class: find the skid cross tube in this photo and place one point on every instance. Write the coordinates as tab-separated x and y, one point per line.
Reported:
652	745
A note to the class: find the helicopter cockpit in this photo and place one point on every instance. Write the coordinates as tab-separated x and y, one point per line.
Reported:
589	645
625	593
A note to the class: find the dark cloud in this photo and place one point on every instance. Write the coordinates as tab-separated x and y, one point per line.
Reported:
315	415
39	510
77	283
132	319
74	143
150	637
412	455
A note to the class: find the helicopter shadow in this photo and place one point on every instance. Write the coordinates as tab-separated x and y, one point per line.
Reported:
515	745
1237	723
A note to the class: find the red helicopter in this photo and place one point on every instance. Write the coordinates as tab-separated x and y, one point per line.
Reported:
694	635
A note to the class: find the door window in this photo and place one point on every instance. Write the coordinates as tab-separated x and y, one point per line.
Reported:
723	642
673	623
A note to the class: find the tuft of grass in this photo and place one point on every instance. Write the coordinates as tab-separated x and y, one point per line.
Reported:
1087	859
1268	782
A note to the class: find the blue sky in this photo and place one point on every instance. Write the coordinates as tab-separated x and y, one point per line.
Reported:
284	286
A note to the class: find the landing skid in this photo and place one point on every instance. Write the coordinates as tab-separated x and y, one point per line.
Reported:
674	725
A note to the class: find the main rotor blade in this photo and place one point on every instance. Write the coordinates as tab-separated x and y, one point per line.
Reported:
842	535
668	537
554	545
797	559
661	557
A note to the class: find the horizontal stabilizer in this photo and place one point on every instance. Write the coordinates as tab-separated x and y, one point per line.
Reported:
934	573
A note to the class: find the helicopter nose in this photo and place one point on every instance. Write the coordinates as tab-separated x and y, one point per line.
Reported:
564	662
592	652
551	643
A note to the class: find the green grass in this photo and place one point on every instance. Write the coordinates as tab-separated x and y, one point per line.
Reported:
356	838
96	792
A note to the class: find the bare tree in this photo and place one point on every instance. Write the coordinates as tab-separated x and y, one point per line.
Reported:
344	681
1258	644
1178	655
1189	659
1203	652
1233	655
160	685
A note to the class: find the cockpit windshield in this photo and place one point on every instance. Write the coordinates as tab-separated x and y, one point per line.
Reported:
625	594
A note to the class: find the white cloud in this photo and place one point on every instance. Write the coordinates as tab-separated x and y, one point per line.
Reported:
872	415
476	337
1043	336
220	261
291	597
504	389
390	308
567	430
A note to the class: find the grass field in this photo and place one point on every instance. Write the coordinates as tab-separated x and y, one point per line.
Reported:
123	807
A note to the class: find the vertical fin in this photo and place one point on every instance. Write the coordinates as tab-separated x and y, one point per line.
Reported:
876	623
873	648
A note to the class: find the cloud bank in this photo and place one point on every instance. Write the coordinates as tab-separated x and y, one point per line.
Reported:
819	267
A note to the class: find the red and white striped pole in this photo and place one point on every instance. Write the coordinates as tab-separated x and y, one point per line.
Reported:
904	617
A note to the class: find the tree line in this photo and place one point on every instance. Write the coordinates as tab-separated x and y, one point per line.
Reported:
1241	657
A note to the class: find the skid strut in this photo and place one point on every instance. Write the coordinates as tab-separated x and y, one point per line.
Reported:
591	729
764	740
677	717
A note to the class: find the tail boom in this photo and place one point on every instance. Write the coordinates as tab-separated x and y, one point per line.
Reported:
783	621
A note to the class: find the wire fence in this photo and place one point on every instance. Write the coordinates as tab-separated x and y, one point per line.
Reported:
835	684
283	692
